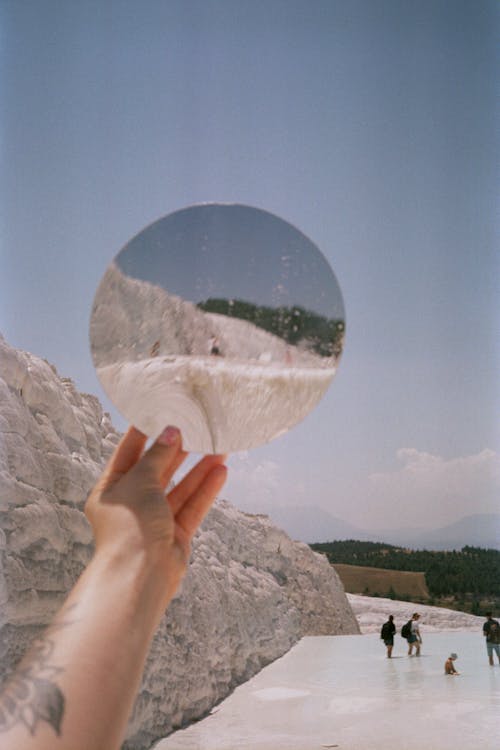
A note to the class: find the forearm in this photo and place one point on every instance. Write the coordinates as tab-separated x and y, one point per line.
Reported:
76	687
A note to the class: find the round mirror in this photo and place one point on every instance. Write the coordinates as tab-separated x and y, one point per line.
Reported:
223	320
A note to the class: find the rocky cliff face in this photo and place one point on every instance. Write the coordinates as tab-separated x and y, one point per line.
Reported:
250	593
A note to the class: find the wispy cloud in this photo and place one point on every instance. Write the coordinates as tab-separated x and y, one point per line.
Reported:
425	490
428	488
254	484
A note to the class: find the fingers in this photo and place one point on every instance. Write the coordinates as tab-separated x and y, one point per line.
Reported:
127	453
170	470
178	496
195	508
164	456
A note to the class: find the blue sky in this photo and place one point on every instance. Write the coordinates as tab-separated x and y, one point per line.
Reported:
368	125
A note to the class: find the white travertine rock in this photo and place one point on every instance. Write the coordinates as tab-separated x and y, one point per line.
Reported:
53	443
250	593
372	612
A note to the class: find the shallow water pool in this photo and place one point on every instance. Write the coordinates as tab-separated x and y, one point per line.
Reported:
342	692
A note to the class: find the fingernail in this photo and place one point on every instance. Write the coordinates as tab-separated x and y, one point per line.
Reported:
169	436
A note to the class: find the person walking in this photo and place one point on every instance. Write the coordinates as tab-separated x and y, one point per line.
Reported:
387	634
414	639
491	630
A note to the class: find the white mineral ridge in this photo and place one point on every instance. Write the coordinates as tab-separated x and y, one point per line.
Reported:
250	594
152	354
372	612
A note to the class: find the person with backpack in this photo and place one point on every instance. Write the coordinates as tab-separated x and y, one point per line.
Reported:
411	632
491	629
387	634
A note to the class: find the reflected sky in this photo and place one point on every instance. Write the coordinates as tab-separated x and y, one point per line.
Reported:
233	252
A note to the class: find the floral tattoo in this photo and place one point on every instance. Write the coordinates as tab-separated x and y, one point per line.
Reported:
31	696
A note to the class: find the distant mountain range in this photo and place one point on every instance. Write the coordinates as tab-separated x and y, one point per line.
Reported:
478	530
314	524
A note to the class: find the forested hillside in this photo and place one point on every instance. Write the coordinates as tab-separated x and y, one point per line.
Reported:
293	324
469	577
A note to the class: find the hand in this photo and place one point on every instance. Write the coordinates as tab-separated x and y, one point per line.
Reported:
94	654
130	513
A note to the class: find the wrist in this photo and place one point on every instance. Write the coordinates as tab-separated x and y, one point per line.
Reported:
139	578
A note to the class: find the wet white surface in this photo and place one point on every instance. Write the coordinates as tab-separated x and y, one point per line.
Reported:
210	398
342	692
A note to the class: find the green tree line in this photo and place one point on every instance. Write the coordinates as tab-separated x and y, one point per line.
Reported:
471	571
292	324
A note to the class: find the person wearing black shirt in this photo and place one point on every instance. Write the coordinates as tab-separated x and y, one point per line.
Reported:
387	634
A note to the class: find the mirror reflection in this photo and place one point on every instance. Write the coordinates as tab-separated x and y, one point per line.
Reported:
223	320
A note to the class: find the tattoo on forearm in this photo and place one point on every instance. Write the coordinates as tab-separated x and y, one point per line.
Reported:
31	694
